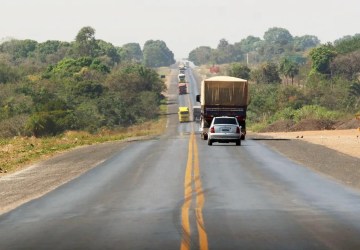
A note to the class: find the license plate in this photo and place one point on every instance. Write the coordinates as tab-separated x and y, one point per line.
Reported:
225	130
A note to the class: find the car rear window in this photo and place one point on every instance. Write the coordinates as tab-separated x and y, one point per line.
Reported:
225	121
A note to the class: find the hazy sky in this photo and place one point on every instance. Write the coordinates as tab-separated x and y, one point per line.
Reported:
184	24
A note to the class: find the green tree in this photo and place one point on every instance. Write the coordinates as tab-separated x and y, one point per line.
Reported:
288	68
248	44
8	74
85	42
354	92
347	44
224	53
19	49
278	36
108	51
239	70
79	68
135	78
303	43
200	55
131	52
157	54
321	58
52	51
266	73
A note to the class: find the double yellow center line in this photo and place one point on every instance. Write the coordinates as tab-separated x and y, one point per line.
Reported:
193	188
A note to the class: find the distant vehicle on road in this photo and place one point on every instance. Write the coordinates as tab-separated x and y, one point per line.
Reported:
224	129
182	88
196	113
184	115
181	77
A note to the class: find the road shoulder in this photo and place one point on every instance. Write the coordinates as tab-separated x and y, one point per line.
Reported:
334	164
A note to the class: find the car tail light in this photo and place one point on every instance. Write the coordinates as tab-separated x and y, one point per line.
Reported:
238	130
212	130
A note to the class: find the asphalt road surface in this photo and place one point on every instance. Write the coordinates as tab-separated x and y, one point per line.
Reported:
176	192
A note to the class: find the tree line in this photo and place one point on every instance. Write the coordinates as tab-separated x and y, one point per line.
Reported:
292	75
88	84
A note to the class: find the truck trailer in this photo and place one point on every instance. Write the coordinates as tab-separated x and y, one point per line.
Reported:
223	96
182	88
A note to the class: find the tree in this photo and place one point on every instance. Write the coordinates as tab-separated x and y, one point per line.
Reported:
224	52
354	92
157	54
347	44
135	78
347	65
51	51
75	67
303	43
266	73
8	74
200	55
278	36
276	42
289	69
85	43
107	50
239	70
321	58
131	52
19	49
248	44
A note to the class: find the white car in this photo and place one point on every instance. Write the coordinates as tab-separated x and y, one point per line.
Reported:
224	129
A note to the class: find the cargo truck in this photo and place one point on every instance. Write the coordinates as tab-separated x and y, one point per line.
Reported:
182	88
223	96
181	77
183	114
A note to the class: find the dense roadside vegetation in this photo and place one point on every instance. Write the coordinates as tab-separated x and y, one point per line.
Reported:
87	86
292	78
56	95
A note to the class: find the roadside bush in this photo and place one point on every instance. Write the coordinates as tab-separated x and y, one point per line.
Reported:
282	115
14	126
316	112
48	123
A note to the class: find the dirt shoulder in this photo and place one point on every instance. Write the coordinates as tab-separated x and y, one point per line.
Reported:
345	141
334	153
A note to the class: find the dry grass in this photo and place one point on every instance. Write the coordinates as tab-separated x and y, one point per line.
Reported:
18	152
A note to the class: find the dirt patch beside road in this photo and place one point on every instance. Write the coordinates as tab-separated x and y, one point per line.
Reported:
334	153
345	141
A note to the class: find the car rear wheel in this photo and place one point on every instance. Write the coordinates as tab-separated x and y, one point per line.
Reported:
210	142
238	142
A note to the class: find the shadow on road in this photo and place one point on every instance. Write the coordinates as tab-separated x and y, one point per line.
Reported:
269	139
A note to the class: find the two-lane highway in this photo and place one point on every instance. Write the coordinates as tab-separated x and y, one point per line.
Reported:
176	192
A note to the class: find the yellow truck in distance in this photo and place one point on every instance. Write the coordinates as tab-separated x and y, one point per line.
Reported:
184	114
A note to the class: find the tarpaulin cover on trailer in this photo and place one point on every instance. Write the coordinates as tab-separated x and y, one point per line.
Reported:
224	91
